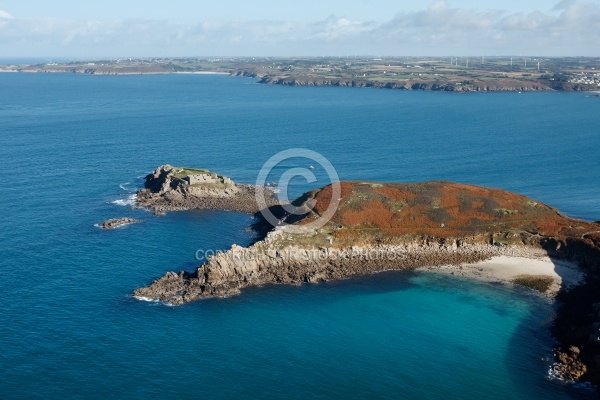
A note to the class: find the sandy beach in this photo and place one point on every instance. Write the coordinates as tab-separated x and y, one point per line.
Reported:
505	269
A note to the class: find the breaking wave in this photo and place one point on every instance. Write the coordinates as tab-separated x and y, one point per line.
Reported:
129	201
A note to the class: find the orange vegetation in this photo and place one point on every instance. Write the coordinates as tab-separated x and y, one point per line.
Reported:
373	213
323	199
440	209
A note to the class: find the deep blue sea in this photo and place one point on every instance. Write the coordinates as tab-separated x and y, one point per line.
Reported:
74	148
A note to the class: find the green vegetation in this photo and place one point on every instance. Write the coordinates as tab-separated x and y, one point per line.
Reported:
541	283
183	172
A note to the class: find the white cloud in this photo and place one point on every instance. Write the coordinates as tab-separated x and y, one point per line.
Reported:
570	28
336	29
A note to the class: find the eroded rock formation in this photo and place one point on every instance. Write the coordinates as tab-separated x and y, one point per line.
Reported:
170	188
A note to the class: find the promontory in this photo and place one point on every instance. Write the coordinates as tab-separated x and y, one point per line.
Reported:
384	226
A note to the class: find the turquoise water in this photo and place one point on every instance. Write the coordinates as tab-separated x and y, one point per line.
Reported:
70	329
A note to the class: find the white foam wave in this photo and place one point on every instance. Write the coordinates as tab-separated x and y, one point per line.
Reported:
553	375
148	299
124	186
129	201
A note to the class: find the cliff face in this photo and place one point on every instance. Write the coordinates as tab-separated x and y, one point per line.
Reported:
499	85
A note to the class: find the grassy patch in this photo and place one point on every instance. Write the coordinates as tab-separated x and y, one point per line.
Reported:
183	172
212	185
541	283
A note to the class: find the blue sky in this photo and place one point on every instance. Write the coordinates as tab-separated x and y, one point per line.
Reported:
186	11
111	28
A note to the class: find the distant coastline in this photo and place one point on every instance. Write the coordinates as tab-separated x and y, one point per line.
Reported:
496	74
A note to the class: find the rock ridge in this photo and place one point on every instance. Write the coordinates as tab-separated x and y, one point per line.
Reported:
228	272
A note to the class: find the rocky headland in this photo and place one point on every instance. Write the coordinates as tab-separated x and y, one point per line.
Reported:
379	227
498	85
388	226
171	188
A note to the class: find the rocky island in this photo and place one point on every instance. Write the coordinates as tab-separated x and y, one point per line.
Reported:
383	226
171	188
117	222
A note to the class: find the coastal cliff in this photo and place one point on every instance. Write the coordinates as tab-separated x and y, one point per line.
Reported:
498	85
432	82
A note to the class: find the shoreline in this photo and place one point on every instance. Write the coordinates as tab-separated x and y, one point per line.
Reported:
505	269
408	85
227	273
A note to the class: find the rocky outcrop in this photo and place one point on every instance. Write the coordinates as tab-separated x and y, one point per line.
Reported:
577	332
569	365
170	188
267	262
117	222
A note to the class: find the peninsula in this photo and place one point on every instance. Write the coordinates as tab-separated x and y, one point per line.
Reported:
435	225
380	226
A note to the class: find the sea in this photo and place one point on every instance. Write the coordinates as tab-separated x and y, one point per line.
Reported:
74	149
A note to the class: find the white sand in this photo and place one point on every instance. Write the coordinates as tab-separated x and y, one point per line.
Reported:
504	269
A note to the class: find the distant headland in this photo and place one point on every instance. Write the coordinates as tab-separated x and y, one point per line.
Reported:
438	225
451	74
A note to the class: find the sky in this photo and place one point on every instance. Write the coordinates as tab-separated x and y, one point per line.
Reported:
136	28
